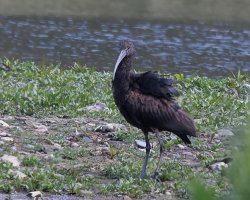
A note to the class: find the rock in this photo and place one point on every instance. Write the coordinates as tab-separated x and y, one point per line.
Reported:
57	146
14	148
218	166
181	146
188	154
142	144
87	193
35	194
126	198
225	132
97	107
7	139
4	124
41	128
30	147
102	151
74	145
87	140
12	159
109	127
246	85
78	134
4	134
18	174
173	136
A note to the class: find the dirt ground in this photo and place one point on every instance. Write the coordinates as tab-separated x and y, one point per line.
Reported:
56	133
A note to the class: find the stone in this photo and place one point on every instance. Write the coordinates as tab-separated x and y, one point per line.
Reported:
181	146
74	145
140	144
35	194
78	134
87	193
97	107
246	85
30	146
7	139
109	127
12	159
4	124
218	166
225	132
87	140
19	174
4	134
41	128
126	198
57	146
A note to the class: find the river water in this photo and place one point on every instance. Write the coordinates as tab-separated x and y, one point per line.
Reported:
193	47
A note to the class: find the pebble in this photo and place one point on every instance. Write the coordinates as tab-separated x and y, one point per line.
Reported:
41	128
218	166
18	174
225	132
30	146
181	146
97	107
12	159
87	193
4	124
109	127
78	134
246	85
87	140
74	144
7	139
126	198
142	144
35	194
57	146
4	134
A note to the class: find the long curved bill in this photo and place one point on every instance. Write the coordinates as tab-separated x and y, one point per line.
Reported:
120	58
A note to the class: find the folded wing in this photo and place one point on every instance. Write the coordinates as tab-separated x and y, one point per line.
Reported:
152	84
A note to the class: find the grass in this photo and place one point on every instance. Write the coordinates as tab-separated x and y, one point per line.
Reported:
237	176
48	91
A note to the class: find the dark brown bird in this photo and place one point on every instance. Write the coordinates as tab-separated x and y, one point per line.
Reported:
147	102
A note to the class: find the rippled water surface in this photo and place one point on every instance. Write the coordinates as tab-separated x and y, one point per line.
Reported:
194	47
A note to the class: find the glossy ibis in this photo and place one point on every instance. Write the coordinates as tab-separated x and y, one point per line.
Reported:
146	101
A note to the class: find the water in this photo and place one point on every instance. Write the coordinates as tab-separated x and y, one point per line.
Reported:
211	49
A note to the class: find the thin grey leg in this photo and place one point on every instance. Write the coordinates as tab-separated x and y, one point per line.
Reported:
143	172
156	173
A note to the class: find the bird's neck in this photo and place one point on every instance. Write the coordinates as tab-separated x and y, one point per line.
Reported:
121	81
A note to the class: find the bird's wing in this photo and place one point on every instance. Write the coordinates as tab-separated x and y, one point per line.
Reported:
149	113
152	84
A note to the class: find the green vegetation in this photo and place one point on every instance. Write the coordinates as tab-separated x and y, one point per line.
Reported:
45	90
238	175
61	161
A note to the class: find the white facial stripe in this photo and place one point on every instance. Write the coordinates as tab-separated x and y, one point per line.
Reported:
120	58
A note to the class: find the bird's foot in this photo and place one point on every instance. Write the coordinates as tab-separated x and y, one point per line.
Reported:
156	177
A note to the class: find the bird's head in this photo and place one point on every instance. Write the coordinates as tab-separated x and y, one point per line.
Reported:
128	46
127	50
